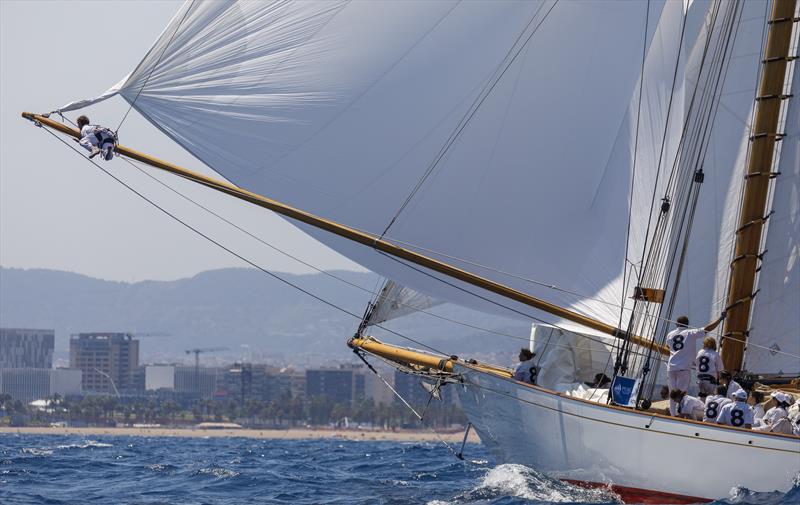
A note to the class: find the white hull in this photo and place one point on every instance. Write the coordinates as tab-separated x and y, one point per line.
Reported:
577	440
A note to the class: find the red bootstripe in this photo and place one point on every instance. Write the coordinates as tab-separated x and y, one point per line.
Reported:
636	495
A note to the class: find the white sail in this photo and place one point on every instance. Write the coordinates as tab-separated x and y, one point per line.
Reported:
340	109
396	301
775	330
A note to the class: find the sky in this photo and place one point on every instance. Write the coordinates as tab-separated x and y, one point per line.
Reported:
58	211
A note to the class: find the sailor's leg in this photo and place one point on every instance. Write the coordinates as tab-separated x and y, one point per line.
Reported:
88	143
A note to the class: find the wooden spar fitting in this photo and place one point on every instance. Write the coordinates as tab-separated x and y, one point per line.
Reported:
756	184
416	358
369	240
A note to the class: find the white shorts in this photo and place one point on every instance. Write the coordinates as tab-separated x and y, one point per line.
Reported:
679	379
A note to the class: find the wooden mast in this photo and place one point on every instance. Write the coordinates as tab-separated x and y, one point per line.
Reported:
757	181
366	239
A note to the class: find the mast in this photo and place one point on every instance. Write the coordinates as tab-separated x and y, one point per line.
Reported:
366	239
757	183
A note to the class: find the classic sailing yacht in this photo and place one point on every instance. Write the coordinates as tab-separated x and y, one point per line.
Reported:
594	168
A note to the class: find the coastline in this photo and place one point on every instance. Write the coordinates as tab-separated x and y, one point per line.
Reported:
290	434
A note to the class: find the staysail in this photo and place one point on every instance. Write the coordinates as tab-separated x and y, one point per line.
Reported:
396	301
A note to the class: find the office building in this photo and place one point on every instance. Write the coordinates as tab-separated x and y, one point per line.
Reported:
108	361
345	384
26	348
28	384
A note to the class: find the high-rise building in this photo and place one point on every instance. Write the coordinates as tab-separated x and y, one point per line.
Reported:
28	384
108	361
342	385
26	348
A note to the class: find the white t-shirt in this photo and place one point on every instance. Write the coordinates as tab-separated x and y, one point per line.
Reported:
733	387
774	414
526	371
691	406
714	404
709	362
758	411
736	414
682	343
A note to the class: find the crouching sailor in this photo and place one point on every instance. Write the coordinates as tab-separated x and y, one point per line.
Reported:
737	413
97	139
689	407
527	370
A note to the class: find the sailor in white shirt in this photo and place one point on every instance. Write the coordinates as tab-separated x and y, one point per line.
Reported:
709	365
737	413
527	370
96	139
757	398
682	343
731	385
689	407
775	420
714	404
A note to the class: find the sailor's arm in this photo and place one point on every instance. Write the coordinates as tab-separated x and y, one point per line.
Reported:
713	325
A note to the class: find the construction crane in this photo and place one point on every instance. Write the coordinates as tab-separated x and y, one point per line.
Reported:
197	351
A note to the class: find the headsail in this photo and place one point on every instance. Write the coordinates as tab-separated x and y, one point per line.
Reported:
310	104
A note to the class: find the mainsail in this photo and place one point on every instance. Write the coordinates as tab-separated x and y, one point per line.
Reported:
311	104
775	331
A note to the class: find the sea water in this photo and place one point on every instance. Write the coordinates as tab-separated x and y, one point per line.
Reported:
54	469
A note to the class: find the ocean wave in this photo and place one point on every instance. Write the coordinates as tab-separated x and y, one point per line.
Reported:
86	444
518	481
218	472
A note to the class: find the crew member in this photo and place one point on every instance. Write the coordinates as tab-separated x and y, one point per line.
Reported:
526	370
731	386
756	400
737	413
682	343
776	419
96	139
709	365
689	407
714	404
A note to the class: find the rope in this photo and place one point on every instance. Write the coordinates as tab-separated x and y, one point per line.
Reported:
473	109
234	253
154	66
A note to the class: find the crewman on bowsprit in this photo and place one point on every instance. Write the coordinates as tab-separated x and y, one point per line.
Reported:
97	139
682	343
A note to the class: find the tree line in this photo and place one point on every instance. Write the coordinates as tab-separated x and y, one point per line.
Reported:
286	412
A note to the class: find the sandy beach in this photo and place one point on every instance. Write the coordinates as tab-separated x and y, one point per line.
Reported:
291	434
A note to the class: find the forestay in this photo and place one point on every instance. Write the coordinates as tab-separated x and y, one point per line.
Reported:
341	108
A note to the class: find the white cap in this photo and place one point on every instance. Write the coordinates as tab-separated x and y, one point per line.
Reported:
775	394
741	394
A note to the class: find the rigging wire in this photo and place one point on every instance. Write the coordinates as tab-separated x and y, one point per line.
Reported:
626	344
234	253
484	94
154	66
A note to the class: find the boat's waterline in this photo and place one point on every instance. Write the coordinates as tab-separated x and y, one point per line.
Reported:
638	454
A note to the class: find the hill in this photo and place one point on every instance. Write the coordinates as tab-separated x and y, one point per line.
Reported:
252	314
